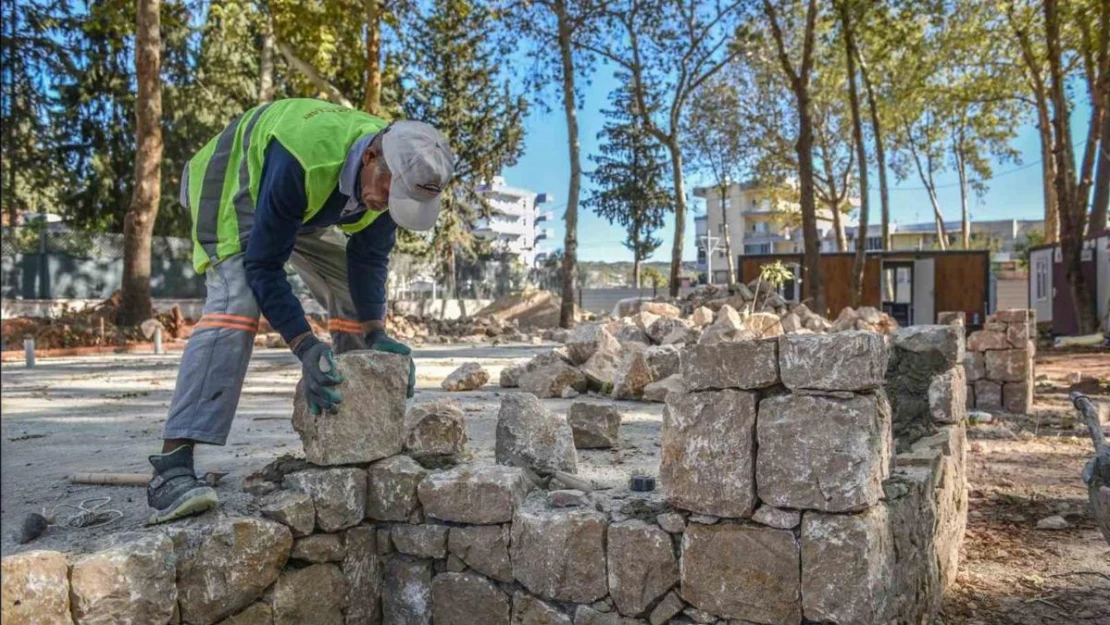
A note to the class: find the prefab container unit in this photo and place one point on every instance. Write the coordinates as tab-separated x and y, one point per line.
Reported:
1049	293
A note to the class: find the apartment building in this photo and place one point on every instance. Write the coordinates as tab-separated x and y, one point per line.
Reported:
517	223
1001	236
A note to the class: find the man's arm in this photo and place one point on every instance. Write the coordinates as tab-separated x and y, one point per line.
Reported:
367	269
278	216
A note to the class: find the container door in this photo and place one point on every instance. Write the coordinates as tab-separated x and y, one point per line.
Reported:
924	293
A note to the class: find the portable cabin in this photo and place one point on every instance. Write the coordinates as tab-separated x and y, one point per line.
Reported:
1049	293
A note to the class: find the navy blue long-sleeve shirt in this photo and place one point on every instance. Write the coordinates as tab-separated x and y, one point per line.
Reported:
279	218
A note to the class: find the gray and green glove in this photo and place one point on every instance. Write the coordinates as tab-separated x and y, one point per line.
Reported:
320	375
378	340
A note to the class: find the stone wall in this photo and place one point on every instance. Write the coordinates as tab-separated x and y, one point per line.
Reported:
781	501
999	362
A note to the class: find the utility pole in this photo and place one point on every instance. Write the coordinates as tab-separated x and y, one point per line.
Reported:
709	243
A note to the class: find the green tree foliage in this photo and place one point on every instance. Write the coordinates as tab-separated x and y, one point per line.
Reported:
631	179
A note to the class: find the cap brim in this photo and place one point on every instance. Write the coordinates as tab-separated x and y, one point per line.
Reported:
409	213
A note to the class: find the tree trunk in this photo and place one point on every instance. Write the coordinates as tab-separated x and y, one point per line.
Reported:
727	239
1048	174
135	306
814	288
1102	179
636	271
679	217
570	239
266	63
372	99
312	75
861	155
965	219
880	152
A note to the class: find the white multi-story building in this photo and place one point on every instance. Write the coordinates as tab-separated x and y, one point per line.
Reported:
516	223
758	223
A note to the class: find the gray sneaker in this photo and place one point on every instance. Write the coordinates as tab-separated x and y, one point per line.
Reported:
175	491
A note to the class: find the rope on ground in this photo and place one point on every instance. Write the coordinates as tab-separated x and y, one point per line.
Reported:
90	513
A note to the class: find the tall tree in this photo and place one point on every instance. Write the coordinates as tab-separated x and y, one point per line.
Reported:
669	48
847	8
798	74
631	179
553	26
135	304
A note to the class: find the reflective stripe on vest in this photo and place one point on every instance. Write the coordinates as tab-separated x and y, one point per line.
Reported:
244	203
212	188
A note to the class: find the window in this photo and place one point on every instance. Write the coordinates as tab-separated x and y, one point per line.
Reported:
757	248
701	256
1041	274
874	243
789	289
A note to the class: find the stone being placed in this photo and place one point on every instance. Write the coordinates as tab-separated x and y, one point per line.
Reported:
370	423
436	434
319	548
532	437
35	589
528	610
468	377
821	452
549	380
708	457
560	554
658	391
595	426
314	594
468	599
741	572
292	509
642	565
224	566
338	494
362	572
484	548
478	495
842	552
391	492
842	361
746	365
632	376
422	541
407	592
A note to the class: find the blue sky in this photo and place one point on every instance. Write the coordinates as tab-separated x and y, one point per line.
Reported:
1014	193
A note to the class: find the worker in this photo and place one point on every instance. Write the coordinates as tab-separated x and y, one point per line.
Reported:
318	185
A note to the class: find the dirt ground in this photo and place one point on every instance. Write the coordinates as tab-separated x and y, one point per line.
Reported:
105	414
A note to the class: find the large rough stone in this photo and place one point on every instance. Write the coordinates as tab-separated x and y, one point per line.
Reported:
224	566
1009	365
532	437
479	495
407	592
484	549
314	594
946	340
777	517
823	453
131	581
728	326
362	571
339	495
583	340
1019	334
257	614
975	366
644	319
1017	397
842	361
664	327
983	340
741	364
658	391
914	593
1013	315
370	423
423	541
585	615
319	548
595	426
846	566
468	599
552	379
631	333
436	433
707	464
667	608
528	610
642	565
663	309
35	589
948	396
560	554
601	367
701	317
988	395
664	360
292	509
765	325
510	375
468	377
741	572
632	376
391	488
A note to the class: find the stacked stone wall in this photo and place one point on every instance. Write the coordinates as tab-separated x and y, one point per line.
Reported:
781	501
999	362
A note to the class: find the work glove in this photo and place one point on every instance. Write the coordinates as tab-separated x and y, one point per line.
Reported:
320	375
378	340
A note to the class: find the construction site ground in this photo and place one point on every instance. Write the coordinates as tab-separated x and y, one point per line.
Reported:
105	414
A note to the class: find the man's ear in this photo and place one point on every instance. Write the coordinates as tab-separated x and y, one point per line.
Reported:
367	156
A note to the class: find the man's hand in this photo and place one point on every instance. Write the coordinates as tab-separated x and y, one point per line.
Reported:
320	374
378	340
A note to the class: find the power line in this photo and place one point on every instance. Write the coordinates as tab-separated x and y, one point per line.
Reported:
956	184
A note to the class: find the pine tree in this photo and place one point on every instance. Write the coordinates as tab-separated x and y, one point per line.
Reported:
631	177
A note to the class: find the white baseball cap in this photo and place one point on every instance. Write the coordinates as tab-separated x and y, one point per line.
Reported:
422	165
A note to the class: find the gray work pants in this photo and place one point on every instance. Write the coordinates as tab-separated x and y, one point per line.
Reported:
215	361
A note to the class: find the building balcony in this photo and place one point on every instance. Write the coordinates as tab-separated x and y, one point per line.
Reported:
543	234
545	217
